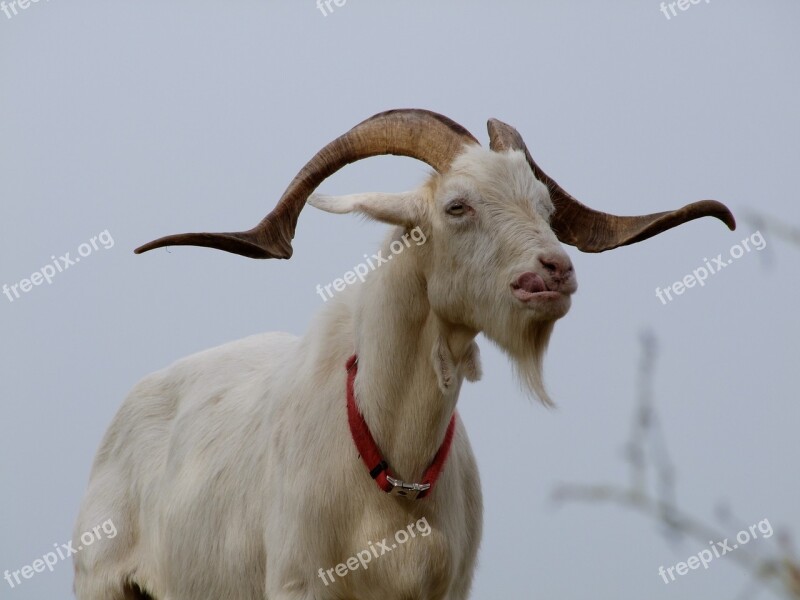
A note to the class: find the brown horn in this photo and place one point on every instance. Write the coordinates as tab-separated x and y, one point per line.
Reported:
420	134
594	231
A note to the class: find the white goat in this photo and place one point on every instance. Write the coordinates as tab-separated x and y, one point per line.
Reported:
234	474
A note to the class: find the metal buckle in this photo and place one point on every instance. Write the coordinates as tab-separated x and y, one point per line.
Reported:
407	490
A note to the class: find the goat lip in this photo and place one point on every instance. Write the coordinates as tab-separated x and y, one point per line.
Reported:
529	282
527	297
531	286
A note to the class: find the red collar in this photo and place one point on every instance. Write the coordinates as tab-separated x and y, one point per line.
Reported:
371	455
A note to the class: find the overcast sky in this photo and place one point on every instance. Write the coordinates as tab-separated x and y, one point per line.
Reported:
147	118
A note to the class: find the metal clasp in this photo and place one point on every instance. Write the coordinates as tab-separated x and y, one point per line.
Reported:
407	490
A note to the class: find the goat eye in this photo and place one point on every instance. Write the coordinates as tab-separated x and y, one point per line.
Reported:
456	208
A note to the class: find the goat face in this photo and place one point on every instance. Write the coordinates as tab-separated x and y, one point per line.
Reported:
496	264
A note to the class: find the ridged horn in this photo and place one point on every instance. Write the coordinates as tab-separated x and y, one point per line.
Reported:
590	230
421	134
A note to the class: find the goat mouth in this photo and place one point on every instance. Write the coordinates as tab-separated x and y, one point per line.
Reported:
530	287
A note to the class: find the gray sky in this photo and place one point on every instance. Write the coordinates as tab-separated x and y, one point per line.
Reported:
147	118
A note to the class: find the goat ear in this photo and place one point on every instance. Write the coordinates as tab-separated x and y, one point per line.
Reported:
404	208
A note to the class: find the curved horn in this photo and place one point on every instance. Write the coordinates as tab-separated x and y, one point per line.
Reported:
594	231
420	134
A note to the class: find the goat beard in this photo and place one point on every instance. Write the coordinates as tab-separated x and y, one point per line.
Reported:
526	349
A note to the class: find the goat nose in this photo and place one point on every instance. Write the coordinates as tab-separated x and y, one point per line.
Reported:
558	265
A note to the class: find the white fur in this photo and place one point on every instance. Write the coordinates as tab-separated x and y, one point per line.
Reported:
232	475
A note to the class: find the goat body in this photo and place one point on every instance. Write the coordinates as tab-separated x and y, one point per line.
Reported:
232	475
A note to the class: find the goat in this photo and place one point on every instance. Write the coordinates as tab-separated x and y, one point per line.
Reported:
235	473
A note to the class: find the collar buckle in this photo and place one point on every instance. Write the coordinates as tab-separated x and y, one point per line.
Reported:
406	490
